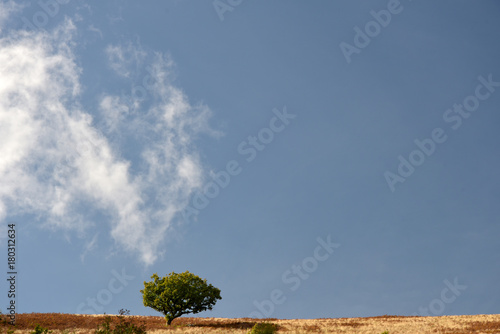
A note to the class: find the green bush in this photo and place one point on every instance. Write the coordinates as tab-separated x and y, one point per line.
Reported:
263	328
123	326
40	330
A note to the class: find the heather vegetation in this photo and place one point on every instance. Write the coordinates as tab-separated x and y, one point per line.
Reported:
58	323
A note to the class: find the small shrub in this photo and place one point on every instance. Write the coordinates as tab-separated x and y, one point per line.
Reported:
386	332
123	327
40	330
105	327
263	328
66	331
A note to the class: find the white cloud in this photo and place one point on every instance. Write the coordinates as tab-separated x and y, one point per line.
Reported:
114	113
56	163
123	58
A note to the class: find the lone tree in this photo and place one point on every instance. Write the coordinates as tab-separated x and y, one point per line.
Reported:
178	294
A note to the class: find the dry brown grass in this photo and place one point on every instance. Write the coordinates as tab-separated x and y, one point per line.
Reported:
86	324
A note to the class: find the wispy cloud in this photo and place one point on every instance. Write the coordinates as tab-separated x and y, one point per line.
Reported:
7	8
122	58
60	162
96	30
90	245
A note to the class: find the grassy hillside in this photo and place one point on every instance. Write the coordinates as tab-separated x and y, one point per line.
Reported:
87	324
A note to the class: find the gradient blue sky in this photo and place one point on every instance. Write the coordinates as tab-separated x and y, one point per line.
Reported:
115	117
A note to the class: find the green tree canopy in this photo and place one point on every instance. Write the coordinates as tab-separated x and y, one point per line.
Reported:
178	294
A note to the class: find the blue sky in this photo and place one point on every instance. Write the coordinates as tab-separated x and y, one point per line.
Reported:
310	159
